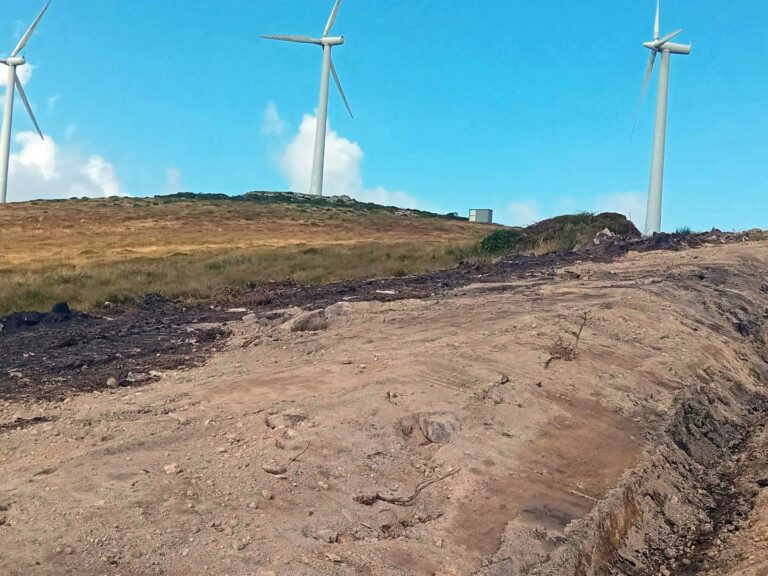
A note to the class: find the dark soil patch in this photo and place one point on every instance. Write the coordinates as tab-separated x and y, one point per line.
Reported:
49	356
21	423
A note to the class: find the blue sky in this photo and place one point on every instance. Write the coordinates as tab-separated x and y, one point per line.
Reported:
524	107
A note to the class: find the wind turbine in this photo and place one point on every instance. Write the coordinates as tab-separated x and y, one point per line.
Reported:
326	42
666	48
12	85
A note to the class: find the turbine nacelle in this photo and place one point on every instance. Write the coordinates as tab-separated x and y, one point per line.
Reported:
332	41
670	47
15	61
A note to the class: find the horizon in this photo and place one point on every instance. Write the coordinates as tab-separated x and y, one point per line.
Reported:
259	128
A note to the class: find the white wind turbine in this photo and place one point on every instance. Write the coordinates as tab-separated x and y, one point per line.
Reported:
663	45
326	42
12	85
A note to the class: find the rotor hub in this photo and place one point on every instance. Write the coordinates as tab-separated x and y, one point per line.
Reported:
16	61
332	41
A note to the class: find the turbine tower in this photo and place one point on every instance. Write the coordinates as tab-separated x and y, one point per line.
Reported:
12	85
327	43
666	48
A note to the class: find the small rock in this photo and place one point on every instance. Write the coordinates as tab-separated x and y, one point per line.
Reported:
327	536
323	485
287	419
439	428
267	494
333	557
238	545
113	383
310	322
253	505
173	469
273	468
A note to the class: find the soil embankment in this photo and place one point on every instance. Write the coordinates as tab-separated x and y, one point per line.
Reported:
425	435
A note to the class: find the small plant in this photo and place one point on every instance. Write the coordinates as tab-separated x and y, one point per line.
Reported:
501	241
561	350
684	231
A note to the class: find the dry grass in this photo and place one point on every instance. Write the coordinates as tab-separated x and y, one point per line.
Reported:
88	252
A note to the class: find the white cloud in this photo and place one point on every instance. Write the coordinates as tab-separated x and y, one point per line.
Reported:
43	169
50	103
343	166
23	72
631	204
523	213
173	180
272	124
36	156
102	174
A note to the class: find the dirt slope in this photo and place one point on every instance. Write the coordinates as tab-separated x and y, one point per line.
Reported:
282	455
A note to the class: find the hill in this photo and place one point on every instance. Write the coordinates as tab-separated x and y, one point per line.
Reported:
88	251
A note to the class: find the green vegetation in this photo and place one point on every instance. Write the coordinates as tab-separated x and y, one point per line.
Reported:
684	231
559	234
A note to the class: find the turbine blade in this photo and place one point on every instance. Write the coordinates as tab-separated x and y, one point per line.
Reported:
341	90
332	19
28	33
657	25
669	37
23	95
646	80
299	39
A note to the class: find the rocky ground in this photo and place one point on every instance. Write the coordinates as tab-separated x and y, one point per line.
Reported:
445	425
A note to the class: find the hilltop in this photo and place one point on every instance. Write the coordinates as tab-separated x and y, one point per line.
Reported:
89	251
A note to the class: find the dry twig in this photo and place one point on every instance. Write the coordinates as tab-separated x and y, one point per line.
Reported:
561	350
370	500
300	454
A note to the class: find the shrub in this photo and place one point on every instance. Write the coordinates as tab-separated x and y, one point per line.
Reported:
562	233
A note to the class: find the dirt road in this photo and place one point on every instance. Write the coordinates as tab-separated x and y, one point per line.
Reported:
424	436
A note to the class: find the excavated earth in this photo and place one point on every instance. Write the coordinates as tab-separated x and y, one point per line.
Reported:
448	424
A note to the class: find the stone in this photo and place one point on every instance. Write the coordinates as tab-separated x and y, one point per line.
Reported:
310	322
238	545
333	557
274	468
267	494
439	428
327	536
113	383
287	419
173	469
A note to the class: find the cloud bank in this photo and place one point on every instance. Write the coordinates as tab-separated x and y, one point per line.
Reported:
42	169
343	163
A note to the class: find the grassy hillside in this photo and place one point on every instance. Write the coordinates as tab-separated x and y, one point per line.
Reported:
87	252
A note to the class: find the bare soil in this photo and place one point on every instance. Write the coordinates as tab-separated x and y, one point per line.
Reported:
403	427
